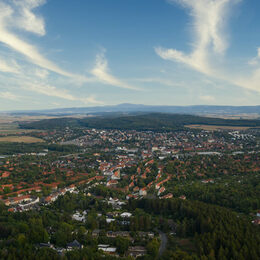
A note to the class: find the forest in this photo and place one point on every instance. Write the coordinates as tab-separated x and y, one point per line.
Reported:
152	122
210	231
215	232
7	148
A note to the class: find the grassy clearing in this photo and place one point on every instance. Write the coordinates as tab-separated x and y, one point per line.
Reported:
217	127
12	128
21	139
16	131
186	244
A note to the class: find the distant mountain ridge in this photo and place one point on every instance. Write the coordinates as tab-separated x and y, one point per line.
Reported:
134	108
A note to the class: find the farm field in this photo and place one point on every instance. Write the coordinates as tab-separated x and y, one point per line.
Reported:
12	128
217	127
21	139
9	125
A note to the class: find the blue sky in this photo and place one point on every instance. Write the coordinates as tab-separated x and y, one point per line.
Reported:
63	53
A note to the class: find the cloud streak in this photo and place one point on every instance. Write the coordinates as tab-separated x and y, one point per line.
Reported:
10	67
20	16
208	26
52	91
8	95
101	72
209	44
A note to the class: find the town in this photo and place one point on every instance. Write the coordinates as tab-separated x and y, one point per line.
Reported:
95	179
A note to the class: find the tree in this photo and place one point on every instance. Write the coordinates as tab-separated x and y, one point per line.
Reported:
153	247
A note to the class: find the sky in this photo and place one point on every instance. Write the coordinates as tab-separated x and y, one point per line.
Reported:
80	53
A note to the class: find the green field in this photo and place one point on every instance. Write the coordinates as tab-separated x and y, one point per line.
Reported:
21	139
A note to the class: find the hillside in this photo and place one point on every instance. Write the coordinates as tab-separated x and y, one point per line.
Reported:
153	122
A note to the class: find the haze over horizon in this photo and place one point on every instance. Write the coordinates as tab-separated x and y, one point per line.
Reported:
56	54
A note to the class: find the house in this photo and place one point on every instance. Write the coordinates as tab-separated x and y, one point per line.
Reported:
167	196
113	234
80	217
136	188
17	200
150	162
115	203
136	251
183	197
126	215
116	175
131	184
45	245
143	192
95	232
32	202
157	186
161	190
208	181
5	174
143	176
109	220
256	221
107	249
146	234
71	188
74	245
112	183
131	196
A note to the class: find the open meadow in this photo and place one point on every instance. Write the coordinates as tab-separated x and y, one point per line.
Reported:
217	127
21	139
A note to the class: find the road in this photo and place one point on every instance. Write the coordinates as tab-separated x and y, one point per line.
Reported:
164	241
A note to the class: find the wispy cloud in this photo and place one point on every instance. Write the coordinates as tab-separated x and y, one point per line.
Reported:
255	60
8	95
207	98
161	81
9	66
32	74
59	93
101	72
208	26
35	70
210	44
20	15
26	19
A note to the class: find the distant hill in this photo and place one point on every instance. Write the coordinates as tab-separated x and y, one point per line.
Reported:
151	121
132	108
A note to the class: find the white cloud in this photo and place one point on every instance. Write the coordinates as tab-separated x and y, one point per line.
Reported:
59	93
209	44
208	26
41	73
11	66
101	72
255	60
27	20
8	95
20	16
207	98
161	81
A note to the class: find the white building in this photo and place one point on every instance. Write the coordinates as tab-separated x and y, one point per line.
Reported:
126	215
80	217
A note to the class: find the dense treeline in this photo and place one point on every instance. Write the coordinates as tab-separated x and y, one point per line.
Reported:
218	233
21	233
56	123
239	192
154	122
14	148
213	231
